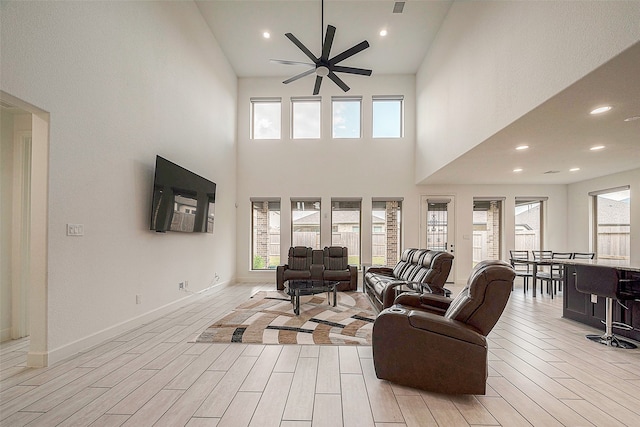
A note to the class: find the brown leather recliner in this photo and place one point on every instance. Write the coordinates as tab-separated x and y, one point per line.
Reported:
337	268
303	264
439	344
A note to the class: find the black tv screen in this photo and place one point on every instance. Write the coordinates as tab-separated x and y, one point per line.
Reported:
182	200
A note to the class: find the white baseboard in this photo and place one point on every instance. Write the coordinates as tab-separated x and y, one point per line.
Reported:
5	334
88	342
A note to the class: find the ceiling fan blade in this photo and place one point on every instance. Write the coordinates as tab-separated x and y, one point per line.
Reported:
316	87
328	41
349	52
351	70
286	62
337	80
299	76
302	47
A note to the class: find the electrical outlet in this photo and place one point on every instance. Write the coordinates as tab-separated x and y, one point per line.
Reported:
138	299
181	286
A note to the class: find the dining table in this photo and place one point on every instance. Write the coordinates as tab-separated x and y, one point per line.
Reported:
534	263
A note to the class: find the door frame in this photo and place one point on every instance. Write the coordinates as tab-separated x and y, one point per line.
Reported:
37	254
451	225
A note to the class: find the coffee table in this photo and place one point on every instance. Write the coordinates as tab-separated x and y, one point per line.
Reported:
296	288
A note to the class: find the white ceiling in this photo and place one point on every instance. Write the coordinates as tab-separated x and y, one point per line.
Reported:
559	132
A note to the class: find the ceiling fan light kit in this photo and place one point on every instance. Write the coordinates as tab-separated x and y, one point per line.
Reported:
324	66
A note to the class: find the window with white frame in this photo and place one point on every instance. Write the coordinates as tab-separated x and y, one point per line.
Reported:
345	227
305	118
346	117
386	227
305	223
528	224
266	116
265	236
387	116
612	225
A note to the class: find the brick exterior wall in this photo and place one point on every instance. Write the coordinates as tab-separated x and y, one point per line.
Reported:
393	238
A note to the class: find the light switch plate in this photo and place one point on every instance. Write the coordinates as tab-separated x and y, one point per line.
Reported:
594	298
75	229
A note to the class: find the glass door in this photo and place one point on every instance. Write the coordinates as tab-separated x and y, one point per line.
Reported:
437	225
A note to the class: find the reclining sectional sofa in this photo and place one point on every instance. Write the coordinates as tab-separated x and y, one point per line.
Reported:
420	270
331	263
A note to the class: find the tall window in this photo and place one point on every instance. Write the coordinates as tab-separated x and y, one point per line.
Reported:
386	227
305	223
305	118
487	229
265	118
387	116
265	236
612	220
345	227
528	222
346	117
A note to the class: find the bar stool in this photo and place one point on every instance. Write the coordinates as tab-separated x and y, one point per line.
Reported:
604	282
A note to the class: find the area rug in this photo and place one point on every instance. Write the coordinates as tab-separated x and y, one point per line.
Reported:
268	318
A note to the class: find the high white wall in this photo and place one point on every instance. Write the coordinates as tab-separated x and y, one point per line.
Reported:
364	168
322	168
580	210
123	81
494	61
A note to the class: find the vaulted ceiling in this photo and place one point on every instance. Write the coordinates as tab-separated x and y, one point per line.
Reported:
559	133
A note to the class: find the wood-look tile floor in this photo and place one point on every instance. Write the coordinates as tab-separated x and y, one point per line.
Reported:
542	372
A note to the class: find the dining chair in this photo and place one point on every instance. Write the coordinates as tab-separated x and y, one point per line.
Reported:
555	275
584	255
522	270
542	272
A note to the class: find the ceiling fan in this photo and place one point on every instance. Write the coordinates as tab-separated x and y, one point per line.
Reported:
324	66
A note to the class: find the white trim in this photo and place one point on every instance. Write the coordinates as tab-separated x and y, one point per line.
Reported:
95	339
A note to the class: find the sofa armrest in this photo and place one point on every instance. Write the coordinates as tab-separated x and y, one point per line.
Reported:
353	274
389	293
385	271
280	276
424	301
439	325
317	271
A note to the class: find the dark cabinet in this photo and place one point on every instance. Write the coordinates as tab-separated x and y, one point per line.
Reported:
578	306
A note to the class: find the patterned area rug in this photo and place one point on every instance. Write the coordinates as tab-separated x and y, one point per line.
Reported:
268	318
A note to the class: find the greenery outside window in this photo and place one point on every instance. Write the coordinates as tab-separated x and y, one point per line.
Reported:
265	236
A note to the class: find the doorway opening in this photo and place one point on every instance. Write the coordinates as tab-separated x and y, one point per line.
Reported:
23	218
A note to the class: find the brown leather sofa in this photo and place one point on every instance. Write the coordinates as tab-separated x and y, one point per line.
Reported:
331	263
439	344
418	270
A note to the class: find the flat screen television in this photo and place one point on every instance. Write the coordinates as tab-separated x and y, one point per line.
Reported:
182	200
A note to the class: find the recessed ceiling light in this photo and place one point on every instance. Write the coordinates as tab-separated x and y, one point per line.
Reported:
601	110
596	147
517	170
266	35
522	147
383	33
574	169
631	119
